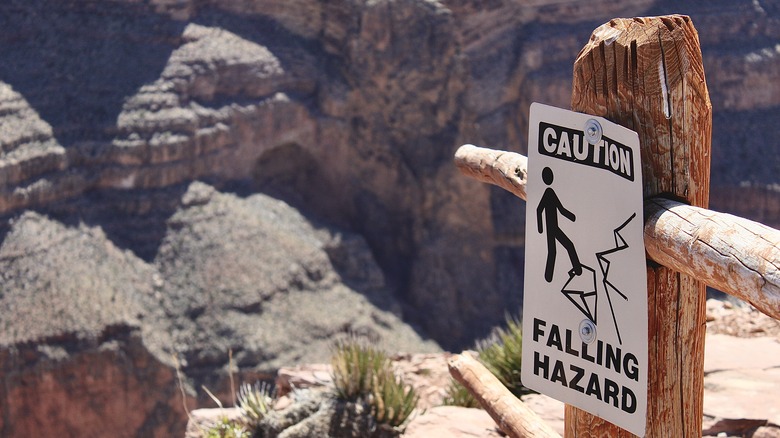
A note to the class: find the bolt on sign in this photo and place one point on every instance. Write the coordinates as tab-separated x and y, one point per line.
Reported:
585	303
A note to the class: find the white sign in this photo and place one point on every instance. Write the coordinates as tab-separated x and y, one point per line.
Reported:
585	303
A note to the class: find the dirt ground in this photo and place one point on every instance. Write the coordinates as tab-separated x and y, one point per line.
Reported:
739	319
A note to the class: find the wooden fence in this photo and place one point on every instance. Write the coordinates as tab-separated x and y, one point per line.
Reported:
647	74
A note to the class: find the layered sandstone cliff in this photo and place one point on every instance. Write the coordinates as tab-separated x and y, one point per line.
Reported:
349	112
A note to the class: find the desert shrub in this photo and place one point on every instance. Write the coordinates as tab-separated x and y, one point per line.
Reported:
392	402
228	429
254	402
362	373
457	395
354	367
501	353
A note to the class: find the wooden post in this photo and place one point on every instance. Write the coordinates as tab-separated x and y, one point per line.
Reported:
647	74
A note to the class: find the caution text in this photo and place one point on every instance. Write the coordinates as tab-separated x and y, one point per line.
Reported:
571	145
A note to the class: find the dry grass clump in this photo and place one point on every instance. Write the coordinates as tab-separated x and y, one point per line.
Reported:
254	402
502	355
228	429
362	373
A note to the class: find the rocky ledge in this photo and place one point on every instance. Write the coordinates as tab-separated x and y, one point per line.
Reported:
99	335
741	386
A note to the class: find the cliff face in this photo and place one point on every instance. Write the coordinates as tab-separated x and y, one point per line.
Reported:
89	331
349	112
109	384
80	330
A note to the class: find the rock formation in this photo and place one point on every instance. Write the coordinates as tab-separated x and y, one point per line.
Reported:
255	277
79	329
29	151
739	401
740	396
90	331
347	111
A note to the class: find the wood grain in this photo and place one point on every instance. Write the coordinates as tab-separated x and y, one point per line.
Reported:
647	74
732	254
511	415
507	170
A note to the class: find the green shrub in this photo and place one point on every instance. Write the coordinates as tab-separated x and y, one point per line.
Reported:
392	402
254	402
457	395
362	373
228	429
502	355
354	367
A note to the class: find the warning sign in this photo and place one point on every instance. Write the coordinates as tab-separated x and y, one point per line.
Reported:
585	307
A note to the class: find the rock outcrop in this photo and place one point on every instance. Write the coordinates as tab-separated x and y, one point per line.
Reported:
29	152
78	332
741	386
89	332
740	395
254	277
59	280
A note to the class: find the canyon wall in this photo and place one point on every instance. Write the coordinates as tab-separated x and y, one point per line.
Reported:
321	134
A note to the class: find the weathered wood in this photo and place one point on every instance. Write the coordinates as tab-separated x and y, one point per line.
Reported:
647	74
732	254
480	163
510	414
507	170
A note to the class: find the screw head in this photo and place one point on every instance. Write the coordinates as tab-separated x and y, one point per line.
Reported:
587	331
593	131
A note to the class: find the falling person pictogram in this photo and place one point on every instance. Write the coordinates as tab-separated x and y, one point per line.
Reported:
550	206
579	289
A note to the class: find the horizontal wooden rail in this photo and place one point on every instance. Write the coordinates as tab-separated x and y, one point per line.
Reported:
511	415
732	254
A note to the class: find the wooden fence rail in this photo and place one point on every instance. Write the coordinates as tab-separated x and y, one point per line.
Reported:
732	254
512	416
